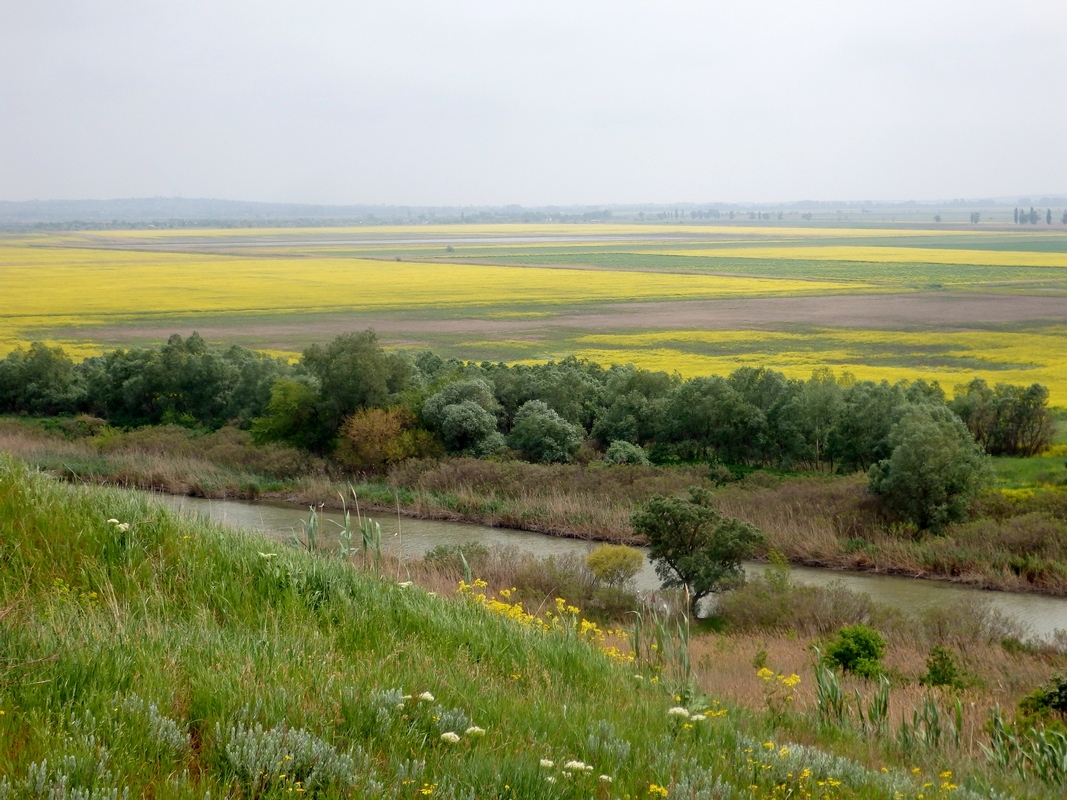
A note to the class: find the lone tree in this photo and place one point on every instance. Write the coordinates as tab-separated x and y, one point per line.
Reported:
935	470
692	545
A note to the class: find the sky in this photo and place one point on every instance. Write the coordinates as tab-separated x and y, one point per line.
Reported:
535	103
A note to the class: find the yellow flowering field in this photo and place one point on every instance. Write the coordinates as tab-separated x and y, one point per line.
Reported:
950	358
46	288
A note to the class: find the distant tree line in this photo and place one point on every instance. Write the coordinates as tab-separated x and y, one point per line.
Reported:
369	407
1022	216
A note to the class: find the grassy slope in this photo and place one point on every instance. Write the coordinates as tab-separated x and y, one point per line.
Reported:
174	659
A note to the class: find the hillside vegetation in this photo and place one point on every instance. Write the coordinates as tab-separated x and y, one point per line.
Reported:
145	655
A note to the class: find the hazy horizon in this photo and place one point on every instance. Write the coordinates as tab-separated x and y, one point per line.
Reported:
546	104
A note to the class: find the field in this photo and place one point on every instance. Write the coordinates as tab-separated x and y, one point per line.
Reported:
908	302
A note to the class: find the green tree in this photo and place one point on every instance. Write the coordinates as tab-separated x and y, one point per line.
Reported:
1008	420
935	470
464	413
468	429
41	380
353	372
694	546
542	435
291	417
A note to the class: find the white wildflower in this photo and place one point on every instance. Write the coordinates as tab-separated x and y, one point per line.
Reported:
574	765
451	737
547	764
267	555
123	526
474	730
678	711
113	522
697	718
426	696
605	779
405	584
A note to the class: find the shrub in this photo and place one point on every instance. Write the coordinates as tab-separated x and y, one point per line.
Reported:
942	670
542	435
623	452
615	564
857	649
373	439
773	602
1048	700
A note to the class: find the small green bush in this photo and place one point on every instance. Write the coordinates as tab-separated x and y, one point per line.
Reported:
615	564
623	452
1048	700
857	649
942	670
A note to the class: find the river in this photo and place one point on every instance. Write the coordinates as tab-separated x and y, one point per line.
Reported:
1040	615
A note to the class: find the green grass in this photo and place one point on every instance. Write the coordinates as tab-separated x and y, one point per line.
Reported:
171	658
916	275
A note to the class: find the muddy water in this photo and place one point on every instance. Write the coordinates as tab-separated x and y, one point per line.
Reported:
412	537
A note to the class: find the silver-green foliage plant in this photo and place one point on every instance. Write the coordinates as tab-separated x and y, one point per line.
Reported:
261	758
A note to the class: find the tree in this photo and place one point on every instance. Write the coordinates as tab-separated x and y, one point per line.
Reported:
1048	217
291	415
820	403
41	380
694	546
935	470
353	372
541	434
1016	216
1008	420
464	413
373	439
468	429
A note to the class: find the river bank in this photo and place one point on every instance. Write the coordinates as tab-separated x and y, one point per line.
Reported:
1014	543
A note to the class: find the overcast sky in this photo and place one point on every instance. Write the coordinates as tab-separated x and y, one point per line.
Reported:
543	102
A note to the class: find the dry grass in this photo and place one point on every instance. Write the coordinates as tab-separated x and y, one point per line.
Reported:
724	668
